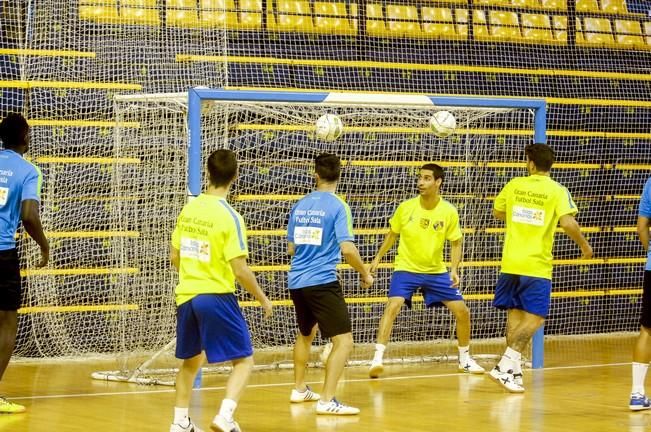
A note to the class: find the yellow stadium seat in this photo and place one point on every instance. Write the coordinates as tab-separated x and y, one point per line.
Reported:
294	15
526	4
438	23
250	14
629	34
332	18
182	13
537	28
101	11
217	14
647	32
375	20
559	23
462	22
614	7
143	12
587	6
560	5
597	31
505	26
491	2
480	28
402	21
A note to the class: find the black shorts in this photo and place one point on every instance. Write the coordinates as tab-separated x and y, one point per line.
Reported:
324	305
645	316
10	291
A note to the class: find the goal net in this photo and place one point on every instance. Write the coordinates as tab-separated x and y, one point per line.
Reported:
386	139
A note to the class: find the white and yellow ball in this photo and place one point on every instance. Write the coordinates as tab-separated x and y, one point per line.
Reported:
443	123
329	127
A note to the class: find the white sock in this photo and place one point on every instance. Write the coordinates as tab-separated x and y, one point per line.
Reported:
639	375
180	414
227	409
517	367
509	359
379	353
464	353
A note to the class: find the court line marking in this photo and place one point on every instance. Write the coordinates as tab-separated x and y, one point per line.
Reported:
286	384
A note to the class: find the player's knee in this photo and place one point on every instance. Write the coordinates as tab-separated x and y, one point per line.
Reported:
393	308
343	342
461	312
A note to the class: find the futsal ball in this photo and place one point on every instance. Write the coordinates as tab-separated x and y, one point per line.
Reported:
442	123
329	127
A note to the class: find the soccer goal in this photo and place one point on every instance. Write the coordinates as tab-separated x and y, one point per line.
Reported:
386	139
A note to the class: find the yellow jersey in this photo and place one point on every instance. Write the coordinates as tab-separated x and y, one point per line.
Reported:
209	233
533	206
423	234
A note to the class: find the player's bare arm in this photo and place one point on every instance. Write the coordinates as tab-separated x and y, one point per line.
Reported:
291	249
175	257
29	214
572	229
246	278
389	240
643	224
499	215
455	260
351	255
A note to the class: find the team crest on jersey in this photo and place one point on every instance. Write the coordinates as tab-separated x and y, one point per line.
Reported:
424	223
438	225
4	195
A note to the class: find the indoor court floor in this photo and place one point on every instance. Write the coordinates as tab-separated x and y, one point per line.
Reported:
584	387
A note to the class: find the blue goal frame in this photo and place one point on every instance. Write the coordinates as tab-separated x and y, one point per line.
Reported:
197	95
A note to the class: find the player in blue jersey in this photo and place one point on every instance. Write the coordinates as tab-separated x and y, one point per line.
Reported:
20	190
642	352
320	230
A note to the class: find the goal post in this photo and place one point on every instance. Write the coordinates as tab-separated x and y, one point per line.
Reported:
386	139
196	96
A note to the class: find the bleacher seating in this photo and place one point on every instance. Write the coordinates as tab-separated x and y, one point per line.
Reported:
537	28
332	18
440	23
138	12
595	32
402	21
614	6
629	34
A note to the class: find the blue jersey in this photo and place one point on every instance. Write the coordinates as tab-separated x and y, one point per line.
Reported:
317	224
19	181
645	211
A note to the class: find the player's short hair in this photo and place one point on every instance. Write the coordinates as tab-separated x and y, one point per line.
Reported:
542	156
328	167
436	170
222	167
13	130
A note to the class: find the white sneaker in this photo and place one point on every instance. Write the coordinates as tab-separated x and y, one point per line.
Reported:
305	396
334	407
220	424
517	378
190	427
506	380
376	369
471	366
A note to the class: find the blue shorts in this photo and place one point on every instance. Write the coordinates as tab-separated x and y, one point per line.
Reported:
436	288
212	323
531	294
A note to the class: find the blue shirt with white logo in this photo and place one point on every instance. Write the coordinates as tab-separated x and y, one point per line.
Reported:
20	180
317	224
645	211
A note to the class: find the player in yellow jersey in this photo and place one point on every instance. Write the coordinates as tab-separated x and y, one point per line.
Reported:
532	208
209	248
424	224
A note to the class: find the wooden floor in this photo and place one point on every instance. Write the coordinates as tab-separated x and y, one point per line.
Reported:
584	387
